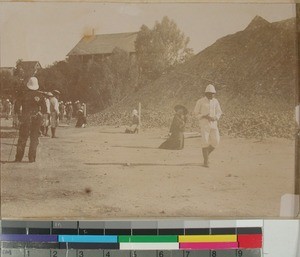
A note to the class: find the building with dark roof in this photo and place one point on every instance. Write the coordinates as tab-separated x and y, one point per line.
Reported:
9	70
96	47
28	67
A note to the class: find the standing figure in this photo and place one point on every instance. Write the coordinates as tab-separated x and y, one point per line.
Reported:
69	112
15	123
7	108
33	107
77	107
62	110
176	139
208	111
46	116
1	107
54	112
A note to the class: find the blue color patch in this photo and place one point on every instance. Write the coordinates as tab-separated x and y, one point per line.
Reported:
87	239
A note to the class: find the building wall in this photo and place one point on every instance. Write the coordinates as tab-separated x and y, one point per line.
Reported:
85	59
8	70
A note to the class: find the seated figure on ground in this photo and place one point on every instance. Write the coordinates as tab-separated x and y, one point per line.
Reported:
176	138
135	125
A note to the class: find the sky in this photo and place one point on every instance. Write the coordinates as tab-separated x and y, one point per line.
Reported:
46	32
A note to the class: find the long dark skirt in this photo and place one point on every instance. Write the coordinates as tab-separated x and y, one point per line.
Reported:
174	142
80	121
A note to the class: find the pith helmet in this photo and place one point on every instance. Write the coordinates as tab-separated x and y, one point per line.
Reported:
210	89
33	83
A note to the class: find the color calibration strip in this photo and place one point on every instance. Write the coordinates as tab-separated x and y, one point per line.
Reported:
132	238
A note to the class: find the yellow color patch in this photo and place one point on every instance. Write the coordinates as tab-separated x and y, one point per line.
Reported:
207	238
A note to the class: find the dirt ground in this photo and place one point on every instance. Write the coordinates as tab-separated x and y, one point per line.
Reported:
102	173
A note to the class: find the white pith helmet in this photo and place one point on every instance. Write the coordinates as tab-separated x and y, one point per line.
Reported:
210	89
33	83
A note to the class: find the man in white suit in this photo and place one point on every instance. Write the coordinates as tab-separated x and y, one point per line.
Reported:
208	111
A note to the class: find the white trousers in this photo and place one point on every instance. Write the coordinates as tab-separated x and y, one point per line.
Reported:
54	120
210	136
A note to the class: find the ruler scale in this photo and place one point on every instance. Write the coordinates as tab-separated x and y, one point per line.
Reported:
165	238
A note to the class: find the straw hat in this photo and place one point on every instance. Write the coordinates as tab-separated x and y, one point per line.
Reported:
56	92
181	107
48	94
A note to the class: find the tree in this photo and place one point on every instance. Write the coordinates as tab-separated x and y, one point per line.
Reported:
161	48
9	84
112	79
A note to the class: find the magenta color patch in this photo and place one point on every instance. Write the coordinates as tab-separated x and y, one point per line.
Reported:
209	246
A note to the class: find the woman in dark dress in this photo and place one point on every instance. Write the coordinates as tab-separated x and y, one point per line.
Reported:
176	139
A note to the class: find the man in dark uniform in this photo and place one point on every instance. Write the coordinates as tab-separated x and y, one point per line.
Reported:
31	117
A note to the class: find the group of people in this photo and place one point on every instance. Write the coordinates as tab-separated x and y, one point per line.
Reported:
36	112
207	111
50	117
39	110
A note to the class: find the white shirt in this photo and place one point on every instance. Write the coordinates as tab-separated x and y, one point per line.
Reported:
297	115
47	104
54	105
205	107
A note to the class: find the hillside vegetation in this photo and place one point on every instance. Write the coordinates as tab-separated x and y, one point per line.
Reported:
254	72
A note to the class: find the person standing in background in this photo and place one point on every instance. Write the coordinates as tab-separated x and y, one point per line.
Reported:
62	110
7	108
77	107
46	116
1	107
69	112
54	112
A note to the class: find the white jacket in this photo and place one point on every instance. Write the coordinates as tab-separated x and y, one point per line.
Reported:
205	107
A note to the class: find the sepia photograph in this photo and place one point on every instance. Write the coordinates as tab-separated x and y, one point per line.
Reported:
153	110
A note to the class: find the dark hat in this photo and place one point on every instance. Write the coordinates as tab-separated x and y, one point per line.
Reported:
179	106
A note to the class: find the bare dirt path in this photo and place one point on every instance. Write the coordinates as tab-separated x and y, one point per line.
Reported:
100	172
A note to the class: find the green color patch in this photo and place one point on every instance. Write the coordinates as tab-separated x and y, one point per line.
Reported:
148	239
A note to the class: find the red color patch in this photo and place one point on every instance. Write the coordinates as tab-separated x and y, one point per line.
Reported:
250	241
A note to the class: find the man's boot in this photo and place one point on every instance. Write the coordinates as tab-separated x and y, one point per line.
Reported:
205	156
53	132
46	132
210	149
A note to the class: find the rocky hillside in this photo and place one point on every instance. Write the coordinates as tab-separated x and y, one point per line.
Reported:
254	72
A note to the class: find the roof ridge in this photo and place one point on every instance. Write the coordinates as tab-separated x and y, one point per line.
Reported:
109	34
105	43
